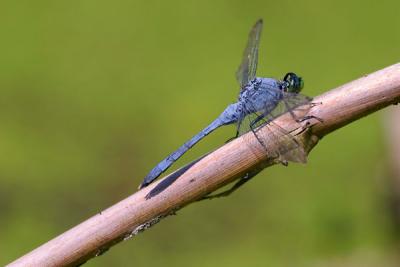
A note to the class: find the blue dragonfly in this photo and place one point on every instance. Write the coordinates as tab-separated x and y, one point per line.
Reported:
260	101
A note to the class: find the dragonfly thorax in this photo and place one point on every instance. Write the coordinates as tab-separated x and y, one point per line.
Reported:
259	93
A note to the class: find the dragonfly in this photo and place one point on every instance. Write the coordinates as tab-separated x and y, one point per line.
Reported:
260	100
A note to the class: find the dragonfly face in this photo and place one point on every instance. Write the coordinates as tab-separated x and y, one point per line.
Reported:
293	83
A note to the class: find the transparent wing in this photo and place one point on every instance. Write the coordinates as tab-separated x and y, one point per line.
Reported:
288	149
288	104
247	69
294	100
276	140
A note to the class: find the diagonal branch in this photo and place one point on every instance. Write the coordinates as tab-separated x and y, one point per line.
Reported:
337	108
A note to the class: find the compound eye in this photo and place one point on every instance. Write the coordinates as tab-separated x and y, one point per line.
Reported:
301	83
288	77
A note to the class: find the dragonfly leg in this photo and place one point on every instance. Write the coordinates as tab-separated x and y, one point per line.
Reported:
297	119
237	132
312	104
232	138
278	155
252	124
259	117
309	117
247	176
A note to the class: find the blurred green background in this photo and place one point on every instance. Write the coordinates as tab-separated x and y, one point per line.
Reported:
95	93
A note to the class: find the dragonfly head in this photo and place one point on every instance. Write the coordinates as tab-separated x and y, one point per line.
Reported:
293	83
